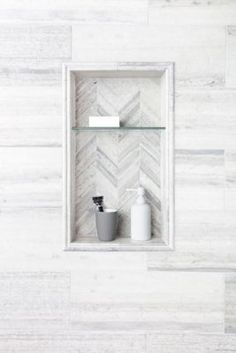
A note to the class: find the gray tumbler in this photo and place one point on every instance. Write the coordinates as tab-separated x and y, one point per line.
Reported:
106	223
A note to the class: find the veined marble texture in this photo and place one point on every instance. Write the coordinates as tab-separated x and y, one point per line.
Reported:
108	163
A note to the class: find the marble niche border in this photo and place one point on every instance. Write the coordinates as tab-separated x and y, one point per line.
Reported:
166	72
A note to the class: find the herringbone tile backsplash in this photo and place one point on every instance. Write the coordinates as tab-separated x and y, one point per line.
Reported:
107	163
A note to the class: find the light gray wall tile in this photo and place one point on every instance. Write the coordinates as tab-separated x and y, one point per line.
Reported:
39	236
205	119
147	301
35	41
30	177
74	342
182	343
202	12
33	300
198	51
205	240
196	130
200	179
199	198
35	117
75	11
30	72
205	167
40	243
199	102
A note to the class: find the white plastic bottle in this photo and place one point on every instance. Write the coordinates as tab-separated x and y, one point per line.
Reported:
140	217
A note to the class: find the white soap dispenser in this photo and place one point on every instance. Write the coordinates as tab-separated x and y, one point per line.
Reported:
140	217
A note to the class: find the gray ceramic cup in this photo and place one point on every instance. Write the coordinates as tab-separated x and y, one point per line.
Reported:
106	223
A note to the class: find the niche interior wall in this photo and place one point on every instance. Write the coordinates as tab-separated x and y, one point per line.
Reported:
110	161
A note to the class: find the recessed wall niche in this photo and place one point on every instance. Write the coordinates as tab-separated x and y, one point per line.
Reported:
111	160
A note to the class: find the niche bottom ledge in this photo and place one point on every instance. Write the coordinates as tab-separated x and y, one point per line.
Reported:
119	244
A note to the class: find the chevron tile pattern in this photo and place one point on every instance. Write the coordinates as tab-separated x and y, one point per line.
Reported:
107	163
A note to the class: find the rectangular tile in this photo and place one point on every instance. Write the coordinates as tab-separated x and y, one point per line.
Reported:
205	101
192	261
231	55
74	342
187	12
30	101
34	236
199	198
199	52
33	300
141	301
200	179
30	234
75	11
114	261
188	343
200	254
205	167
205	119
35	41
205	241
30	72
30	177
205	130
35	117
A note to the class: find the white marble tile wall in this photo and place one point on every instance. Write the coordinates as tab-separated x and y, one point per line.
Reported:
54	301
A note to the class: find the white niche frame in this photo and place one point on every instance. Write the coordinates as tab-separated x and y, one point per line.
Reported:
166	72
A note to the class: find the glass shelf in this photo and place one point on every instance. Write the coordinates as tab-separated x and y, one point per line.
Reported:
121	128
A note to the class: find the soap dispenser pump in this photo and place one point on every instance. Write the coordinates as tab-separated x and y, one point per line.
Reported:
140	217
